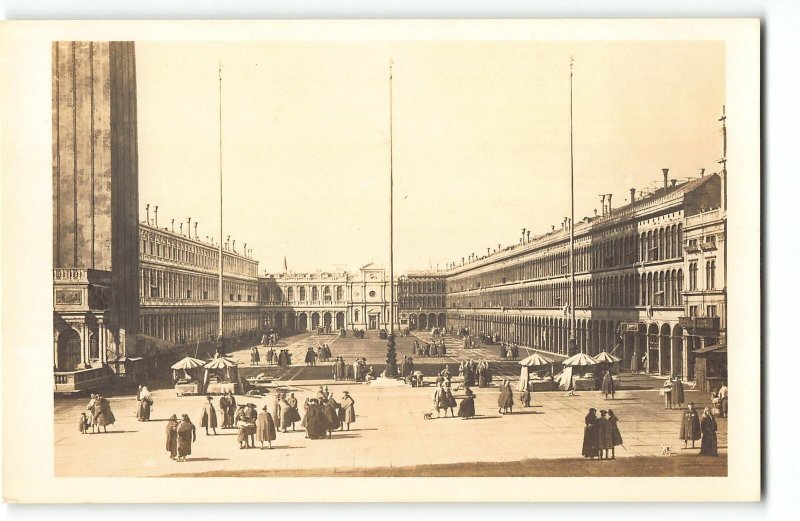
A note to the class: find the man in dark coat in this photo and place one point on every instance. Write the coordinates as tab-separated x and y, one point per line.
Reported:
690	425
172	436
103	415
677	391
223	409
608	385
466	409
209	419
615	434
311	356
331	415
265	427
605	438
589	449
316	421
186	435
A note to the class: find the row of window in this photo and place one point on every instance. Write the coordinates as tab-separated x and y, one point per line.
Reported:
179	251
276	294
711	275
165	284
421	302
663	288
191	327
416	288
655	245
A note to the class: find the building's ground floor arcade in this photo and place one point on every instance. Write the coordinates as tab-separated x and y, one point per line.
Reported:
304	319
656	345
425	319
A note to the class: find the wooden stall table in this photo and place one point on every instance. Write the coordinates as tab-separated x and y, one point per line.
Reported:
543	385
219	388
186	389
585	384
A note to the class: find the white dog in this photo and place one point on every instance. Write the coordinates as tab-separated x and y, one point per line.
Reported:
571	392
666	450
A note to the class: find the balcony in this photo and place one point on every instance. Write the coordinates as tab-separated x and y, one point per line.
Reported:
81	380
708	246
691	248
700	325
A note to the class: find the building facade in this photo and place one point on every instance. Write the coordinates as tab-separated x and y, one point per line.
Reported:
629	280
179	287
332	301
422	300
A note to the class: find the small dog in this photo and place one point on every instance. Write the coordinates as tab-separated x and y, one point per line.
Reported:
570	393
428	416
666	450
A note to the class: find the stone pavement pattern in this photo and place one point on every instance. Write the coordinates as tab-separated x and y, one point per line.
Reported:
390	432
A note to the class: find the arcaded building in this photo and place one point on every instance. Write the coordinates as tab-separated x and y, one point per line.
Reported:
630	270
421	300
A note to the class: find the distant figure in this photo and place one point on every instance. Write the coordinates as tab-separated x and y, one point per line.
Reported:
172	436
634	363
331	415
145	404
265	427
311	357
608	385
316	421
294	413
466	409
84	424
666	391
690	425
525	397
186	435
723	399
589	449
708	428
255	358
677	392
209	419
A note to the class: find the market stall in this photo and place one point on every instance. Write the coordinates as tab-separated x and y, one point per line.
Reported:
581	379
530	376
607	362
187	376
221	375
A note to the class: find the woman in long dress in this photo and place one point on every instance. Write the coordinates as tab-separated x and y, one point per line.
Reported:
608	385
615	434
265	428
708	427
172	436
294	413
505	401
466	409
316	421
589	449
331	415
186	435
605	438
145	403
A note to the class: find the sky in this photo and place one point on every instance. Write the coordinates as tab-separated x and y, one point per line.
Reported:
481	140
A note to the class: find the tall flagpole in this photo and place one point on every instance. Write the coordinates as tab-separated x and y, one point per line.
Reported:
571	345
219	72
391	202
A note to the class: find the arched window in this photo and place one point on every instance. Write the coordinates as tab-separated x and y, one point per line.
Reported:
302	294
711	269
326	293
680	287
339	293
290	294
314	294
355	315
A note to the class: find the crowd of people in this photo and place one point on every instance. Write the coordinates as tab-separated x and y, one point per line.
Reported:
282	358
358	371
475	372
432	349
600	435
509	351
322	416
98	414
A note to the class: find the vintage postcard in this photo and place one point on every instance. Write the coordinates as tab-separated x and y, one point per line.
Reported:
390	253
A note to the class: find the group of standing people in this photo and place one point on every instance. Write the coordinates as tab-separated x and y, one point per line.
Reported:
672	390
429	349
98	414
509	351
323	414
445	400
600	435
270	338
180	436
358	371
699	427
475	372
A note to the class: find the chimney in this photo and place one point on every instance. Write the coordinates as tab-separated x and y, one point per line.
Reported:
633	195
181	228
487	251
462	261
173	225
189	227
155	211
195	229
147	211
552	227
702	172
666	175
603	203
672	183
595	212
609	203
529	235
245	248
227	241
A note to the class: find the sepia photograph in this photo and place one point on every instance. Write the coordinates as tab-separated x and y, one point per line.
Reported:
396	257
